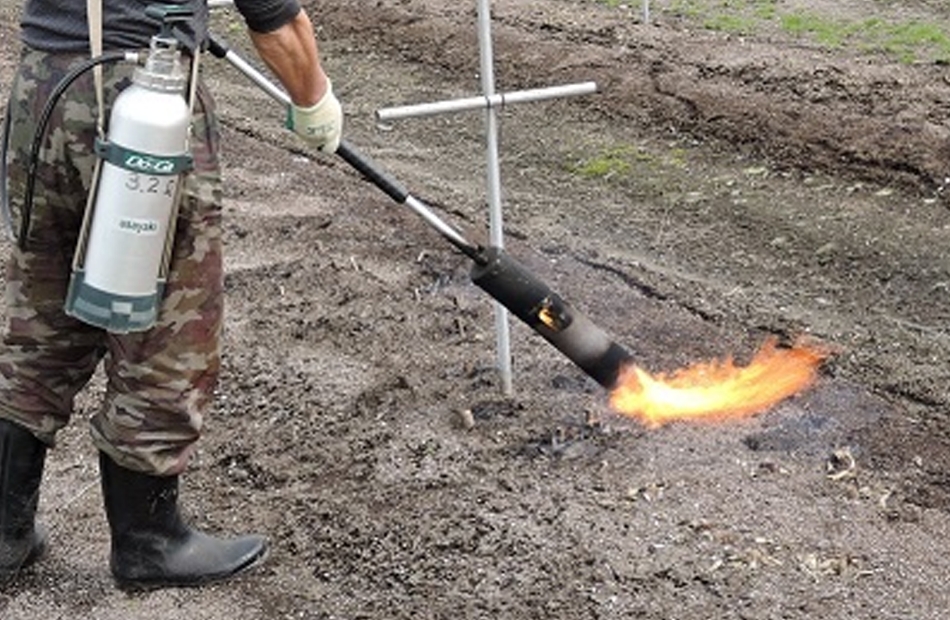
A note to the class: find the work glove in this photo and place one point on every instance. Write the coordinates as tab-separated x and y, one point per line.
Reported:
320	125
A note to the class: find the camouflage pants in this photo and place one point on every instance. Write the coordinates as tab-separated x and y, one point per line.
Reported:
160	382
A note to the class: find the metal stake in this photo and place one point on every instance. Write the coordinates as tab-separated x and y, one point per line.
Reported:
496	226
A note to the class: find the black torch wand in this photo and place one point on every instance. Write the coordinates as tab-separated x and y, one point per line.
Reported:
495	272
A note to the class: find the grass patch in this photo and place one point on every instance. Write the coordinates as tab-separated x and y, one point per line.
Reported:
623	162
905	40
824	31
616	161
735	24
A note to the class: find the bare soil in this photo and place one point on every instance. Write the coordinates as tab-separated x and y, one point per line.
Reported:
770	187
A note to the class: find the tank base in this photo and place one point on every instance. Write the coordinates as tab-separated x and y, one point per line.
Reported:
110	311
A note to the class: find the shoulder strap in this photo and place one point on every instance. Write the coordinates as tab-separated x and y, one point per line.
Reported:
94	17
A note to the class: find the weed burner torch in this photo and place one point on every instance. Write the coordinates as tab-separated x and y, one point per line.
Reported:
495	272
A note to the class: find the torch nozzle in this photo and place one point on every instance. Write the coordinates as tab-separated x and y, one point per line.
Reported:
544	311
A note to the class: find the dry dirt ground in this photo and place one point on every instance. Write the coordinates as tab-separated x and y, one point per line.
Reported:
760	186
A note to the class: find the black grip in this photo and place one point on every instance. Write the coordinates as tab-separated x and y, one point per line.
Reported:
217	47
371	171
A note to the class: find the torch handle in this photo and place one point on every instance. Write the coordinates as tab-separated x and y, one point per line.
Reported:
376	175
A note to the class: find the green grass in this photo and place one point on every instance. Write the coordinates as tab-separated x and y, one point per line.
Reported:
824	31
615	161
736	24
626	163
905	40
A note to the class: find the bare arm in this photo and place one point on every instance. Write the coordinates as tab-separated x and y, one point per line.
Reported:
291	53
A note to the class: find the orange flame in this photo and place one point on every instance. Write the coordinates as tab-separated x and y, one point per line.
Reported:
717	390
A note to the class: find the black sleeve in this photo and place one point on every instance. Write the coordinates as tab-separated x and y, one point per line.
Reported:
267	15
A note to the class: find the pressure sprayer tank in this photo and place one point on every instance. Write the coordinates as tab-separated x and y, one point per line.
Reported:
120	267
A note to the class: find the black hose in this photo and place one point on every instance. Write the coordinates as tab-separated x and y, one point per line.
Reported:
4	194
39	133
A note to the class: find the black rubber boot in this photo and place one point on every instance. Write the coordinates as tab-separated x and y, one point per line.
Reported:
22	541
152	547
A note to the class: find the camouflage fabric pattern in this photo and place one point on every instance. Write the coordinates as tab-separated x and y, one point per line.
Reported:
160	382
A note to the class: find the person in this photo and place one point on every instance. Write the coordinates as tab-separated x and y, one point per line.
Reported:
160	382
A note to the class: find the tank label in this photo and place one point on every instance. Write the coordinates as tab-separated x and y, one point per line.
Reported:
139	227
147	163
